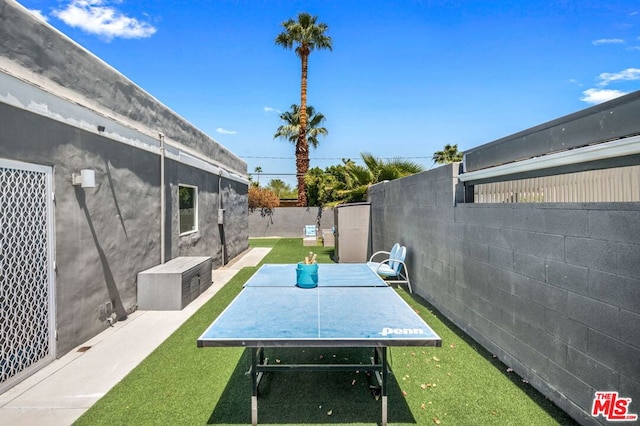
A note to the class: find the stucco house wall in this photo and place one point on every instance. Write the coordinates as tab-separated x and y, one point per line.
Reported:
64	108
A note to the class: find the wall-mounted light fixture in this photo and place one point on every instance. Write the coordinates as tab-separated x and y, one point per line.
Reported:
86	178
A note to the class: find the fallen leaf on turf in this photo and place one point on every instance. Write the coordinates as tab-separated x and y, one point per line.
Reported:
436	359
509	370
424	386
330	412
353	382
436	420
404	393
452	346
423	406
277	361
375	392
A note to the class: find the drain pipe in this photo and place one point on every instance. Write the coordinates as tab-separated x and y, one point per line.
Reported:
162	200
221	217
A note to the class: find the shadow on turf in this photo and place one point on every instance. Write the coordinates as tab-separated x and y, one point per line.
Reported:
317	397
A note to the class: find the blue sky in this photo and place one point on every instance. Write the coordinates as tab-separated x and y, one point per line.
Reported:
404	77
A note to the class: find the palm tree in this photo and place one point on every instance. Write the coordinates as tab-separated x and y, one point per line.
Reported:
258	170
291	128
382	170
279	186
449	154
357	179
306	35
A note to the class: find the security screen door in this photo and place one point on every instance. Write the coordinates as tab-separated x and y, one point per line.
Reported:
26	271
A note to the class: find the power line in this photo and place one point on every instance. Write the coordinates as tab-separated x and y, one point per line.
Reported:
273	174
324	158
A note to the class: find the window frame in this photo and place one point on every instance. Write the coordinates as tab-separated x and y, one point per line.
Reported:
195	227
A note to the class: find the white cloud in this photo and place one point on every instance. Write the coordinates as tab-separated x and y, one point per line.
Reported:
624	75
101	18
270	109
597	96
600	94
38	14
225	131
608	41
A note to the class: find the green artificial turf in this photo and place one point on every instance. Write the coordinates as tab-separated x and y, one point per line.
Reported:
457	384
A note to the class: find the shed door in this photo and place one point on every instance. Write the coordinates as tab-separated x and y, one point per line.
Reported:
27	337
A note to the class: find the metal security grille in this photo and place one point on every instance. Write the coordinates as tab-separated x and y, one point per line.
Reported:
26	278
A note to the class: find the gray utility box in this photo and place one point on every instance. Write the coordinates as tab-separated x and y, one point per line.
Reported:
173	285
353	232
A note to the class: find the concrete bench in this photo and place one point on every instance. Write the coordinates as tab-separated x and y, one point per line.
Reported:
174	284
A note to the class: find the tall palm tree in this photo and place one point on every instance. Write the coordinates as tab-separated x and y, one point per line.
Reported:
306	35
258	170
449	154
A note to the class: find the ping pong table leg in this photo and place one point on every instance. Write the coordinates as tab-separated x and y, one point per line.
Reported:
254	386
383	390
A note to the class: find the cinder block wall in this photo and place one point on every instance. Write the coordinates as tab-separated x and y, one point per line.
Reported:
288	221
552	289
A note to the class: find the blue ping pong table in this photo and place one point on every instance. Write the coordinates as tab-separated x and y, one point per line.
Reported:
351	307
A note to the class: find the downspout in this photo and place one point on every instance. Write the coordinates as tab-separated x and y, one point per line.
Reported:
221	218
162	200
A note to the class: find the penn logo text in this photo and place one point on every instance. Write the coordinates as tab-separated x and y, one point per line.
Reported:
387	331
612	407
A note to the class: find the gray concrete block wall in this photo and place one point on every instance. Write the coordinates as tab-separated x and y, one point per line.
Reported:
551	289
289	221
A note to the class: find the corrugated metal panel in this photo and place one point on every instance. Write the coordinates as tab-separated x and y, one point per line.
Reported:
596	186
